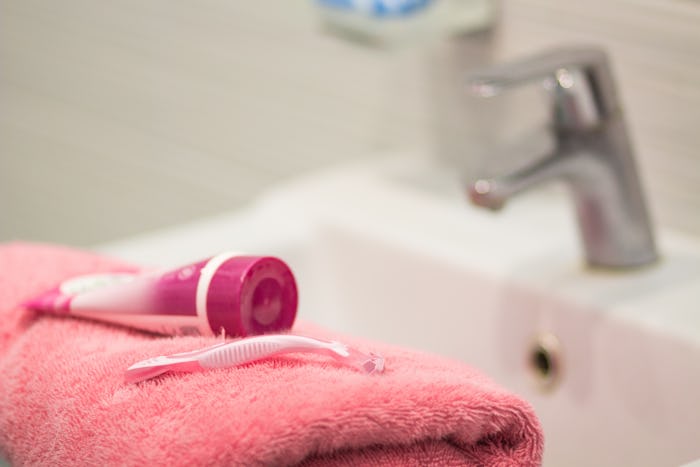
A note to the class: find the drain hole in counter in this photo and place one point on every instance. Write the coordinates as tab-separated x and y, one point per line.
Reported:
544	361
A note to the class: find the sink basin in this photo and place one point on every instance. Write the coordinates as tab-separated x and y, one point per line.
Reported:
390	250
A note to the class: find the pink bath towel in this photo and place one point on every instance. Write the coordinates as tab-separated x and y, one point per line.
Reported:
63	400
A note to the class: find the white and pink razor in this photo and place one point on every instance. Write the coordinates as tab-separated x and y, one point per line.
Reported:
228	354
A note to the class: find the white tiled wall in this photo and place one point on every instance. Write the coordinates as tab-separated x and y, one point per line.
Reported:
118	117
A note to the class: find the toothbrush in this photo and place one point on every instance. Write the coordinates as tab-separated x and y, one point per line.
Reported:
228	354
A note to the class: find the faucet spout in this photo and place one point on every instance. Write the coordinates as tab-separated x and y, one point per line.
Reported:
492	193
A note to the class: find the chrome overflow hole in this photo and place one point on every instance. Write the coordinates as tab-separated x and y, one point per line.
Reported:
544	361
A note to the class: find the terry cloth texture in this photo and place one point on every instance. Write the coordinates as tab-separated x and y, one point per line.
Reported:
63	400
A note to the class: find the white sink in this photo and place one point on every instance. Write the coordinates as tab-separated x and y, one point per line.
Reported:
392	251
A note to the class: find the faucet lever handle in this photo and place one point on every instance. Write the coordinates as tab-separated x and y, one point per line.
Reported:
579	78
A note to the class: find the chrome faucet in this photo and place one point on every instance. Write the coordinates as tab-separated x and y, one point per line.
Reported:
592	152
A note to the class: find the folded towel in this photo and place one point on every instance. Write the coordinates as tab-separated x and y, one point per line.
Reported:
63	400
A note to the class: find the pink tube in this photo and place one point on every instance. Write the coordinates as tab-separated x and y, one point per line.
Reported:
238	295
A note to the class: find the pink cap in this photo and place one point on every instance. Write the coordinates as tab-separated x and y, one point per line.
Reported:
251	295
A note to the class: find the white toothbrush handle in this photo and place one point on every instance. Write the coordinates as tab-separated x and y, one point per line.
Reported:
248	350
255	348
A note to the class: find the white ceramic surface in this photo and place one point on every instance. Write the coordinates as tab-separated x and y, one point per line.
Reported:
392	251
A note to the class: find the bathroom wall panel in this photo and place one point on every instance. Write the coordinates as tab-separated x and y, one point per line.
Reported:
128	116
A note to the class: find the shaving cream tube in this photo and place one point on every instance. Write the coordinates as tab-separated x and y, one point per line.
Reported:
233	294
